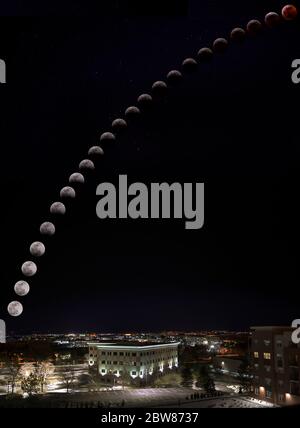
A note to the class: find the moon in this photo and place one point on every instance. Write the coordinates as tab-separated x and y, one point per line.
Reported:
119	125
21	288
58	208
37	249
86	164
67	192
95	150
289	12
132	112
238	34
76	177
220	45
174	76
254	26
29	268
189	65
15	308
144	100
47	228
159	88
272	19
205	55
107	137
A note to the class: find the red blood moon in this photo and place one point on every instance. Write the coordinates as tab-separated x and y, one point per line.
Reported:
289	12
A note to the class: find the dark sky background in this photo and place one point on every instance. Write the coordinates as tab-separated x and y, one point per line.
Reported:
233	124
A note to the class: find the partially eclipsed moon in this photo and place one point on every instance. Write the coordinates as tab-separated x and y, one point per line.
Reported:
47	228
67	192
86	164
21	288
15	308
29	268
95	150
76	177
58	208
37	249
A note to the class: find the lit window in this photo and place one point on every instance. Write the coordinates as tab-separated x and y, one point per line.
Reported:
267	355
256	355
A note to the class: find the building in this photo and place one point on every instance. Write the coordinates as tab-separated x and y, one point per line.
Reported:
138	361
276	365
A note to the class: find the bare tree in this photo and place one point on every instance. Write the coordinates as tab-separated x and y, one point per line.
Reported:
43	370
68	379
13	368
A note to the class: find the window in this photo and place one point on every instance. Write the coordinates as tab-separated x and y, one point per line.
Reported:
121	363
134	354
133	373
256	391
103	353
267	355
279	344
268	393
115	362
103	371
268	381
115	353
279	363
267	342
280	397
121	354
256	354
103	362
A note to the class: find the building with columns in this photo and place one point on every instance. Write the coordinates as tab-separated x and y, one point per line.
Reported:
138	361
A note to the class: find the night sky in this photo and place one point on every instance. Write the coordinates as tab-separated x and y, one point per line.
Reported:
232	125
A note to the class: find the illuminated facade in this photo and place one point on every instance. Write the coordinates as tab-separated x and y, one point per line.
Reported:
276	365
138	360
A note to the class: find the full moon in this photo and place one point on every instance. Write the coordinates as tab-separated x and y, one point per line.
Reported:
29	268
15	309
47	228
67	192
57	208
37	249
22	288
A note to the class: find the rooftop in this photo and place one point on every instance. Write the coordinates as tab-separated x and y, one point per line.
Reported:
131	344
